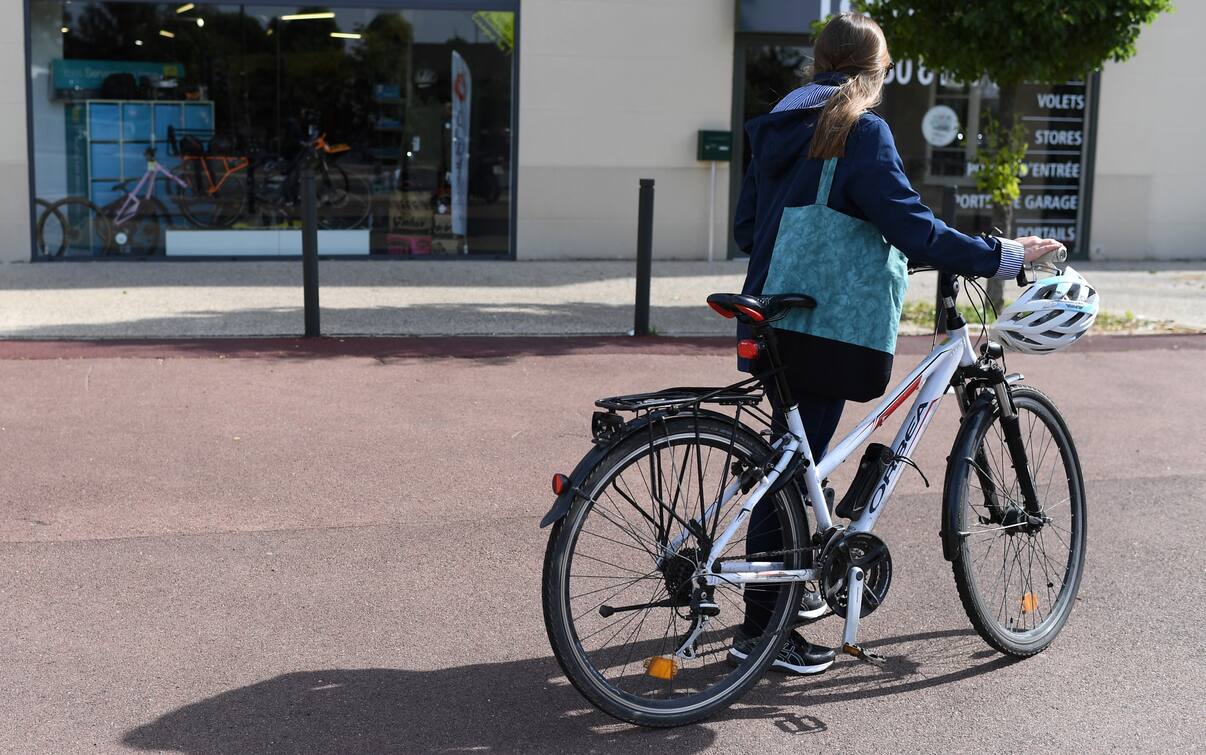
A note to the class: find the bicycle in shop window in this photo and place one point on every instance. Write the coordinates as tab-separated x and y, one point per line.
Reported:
215	176
131	225
343	199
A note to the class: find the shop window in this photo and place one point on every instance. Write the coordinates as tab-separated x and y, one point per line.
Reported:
182	129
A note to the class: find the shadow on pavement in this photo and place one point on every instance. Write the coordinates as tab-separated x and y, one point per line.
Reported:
515	705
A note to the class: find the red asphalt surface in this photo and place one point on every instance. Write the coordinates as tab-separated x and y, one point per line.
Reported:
266	545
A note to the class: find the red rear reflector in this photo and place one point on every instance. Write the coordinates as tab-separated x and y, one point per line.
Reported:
747	349
721	310
560	484
753	314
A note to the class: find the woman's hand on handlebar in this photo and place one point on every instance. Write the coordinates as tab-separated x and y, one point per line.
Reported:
1036	247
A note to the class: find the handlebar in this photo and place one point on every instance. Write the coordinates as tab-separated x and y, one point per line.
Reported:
1056	260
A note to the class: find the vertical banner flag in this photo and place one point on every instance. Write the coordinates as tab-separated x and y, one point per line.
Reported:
462	90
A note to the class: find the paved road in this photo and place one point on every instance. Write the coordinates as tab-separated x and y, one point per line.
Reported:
413	297
267	547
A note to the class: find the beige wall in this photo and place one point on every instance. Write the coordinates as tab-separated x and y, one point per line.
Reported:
612	91
14	173
1148	196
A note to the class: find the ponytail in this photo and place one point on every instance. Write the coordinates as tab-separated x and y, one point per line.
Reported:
852	44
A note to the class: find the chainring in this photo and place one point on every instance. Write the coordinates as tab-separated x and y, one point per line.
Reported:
869	553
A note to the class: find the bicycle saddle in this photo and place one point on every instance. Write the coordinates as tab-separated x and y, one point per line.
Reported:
759	310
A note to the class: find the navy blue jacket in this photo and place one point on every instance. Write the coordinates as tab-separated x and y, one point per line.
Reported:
869	184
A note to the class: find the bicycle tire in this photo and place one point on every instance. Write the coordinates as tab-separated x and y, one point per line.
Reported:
141	235
636	699
202	209
85	230
344	200
58	235
977	502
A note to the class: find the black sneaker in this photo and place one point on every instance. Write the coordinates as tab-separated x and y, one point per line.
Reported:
797	656
812	607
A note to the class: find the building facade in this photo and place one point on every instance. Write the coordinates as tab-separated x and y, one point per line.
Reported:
518	129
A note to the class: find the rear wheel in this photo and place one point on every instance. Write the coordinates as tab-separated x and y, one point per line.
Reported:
343	200
1017	574
206	204
618	587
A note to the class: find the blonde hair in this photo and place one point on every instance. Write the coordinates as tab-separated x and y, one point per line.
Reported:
854	45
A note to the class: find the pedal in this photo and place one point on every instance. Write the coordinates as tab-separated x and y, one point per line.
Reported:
863	654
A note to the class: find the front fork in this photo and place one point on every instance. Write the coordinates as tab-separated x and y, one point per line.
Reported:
990	373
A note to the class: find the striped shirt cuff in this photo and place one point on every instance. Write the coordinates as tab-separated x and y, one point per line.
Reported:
1013	255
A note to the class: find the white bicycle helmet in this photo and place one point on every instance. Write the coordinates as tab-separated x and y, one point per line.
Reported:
1051	314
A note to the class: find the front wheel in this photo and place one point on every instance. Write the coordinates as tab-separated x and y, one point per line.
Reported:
1017	572
619	594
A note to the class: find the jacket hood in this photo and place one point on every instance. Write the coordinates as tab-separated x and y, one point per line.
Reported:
780	140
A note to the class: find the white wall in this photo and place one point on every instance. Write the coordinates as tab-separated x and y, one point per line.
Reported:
1148	200
14	162
612	91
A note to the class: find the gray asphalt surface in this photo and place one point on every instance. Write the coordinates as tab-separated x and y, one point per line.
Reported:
246	548
458	297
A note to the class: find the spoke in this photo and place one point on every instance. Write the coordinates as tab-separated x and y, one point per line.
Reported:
608	599
617	542
627	584
651	548
608	563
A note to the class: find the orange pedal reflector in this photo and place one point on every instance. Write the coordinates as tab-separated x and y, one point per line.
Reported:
661	667
1029	602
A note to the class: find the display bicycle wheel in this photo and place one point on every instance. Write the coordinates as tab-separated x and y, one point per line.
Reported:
75	227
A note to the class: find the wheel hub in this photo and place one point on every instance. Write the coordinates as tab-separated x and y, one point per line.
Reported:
678	572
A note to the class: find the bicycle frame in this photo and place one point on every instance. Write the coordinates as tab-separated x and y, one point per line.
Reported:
129	206
929	380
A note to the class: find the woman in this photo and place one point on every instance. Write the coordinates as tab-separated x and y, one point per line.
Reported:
821	147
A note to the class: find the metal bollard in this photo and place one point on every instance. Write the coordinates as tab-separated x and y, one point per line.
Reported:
309	202
644	265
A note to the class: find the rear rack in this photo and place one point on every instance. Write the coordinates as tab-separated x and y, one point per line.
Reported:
745	393
746	396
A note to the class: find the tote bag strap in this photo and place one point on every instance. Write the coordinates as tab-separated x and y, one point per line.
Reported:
826	181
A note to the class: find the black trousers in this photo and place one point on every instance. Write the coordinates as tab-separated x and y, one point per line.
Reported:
820	415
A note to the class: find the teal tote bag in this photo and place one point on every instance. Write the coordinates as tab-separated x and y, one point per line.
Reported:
857	278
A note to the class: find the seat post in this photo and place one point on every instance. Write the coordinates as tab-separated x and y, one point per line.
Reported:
782	387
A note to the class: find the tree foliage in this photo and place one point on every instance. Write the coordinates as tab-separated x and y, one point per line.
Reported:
1002	163
1014	41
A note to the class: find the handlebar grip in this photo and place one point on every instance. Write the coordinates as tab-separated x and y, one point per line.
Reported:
1054	260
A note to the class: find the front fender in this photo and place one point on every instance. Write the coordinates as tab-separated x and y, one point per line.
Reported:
983	405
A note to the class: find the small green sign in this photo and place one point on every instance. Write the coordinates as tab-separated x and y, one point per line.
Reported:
715	146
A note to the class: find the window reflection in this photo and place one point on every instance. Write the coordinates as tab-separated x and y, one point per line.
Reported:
183	128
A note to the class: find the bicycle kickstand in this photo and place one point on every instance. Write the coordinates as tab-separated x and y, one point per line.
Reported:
854	606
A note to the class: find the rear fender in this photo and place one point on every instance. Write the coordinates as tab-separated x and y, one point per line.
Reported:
561	505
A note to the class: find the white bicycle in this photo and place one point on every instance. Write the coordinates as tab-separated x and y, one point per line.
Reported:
647	568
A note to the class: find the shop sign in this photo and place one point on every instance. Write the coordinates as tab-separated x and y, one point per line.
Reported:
462	92
940	126
1057	134
89	75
